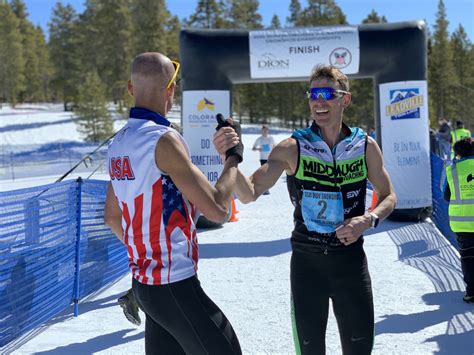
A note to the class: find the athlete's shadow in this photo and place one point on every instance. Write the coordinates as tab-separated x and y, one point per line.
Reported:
94	345
421	246
451	310
245	250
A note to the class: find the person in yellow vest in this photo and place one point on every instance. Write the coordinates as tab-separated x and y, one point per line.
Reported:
459	133
459	192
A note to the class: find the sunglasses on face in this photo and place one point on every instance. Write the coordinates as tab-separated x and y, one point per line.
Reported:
324	93
175	74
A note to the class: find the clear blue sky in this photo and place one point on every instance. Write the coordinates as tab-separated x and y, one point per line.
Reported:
458	11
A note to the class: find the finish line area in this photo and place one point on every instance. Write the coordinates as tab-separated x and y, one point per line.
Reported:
244	267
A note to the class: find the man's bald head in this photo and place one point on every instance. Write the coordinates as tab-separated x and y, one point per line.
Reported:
152	69
151	73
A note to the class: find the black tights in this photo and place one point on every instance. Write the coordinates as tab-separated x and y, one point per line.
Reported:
466	249
182	319
344	277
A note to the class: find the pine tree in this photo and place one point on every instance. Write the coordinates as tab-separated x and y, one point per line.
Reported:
244	14
323	12
275	22
295	17
11	55
45	70
93	118
32	90
173	28
19	9
208	14
88	47
149	26
463	63
113	24
374	17
63	48
361	112
441	70
31	87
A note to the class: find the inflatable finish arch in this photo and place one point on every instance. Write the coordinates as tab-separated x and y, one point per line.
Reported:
393	55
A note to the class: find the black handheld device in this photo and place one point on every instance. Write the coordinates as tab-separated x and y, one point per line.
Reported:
221	122
237	150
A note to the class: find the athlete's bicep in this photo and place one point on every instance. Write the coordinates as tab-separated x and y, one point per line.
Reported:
172	158
376	171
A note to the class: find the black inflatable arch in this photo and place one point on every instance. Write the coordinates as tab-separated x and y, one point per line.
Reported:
389	52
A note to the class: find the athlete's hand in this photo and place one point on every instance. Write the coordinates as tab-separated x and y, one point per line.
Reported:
237	149
224	139
352	229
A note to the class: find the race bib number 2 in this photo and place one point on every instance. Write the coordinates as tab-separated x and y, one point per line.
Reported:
322	212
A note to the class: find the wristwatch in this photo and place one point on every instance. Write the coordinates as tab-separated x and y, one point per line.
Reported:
374	220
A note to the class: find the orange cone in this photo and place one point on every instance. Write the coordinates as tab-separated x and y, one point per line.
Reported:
233	218
375	199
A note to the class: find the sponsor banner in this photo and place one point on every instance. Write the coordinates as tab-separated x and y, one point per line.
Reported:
405	141
293	53
199	123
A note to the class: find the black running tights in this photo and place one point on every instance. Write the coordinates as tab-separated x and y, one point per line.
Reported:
182	319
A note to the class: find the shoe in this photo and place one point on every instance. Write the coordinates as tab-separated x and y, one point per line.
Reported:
130	308
266	193
468	299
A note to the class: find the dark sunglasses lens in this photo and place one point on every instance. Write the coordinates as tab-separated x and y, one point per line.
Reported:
324	93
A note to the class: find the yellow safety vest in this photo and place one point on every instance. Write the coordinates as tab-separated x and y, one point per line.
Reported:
459	134
460	177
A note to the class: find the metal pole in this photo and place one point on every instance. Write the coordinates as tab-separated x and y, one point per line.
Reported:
11	166
78	246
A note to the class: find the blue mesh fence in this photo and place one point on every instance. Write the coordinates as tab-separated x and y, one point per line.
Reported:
39	230
39	249
440	206
102	257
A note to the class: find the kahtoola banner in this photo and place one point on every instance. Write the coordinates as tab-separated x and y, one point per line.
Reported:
293	53
405	141
199	124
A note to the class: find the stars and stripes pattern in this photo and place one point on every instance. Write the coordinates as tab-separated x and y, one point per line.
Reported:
159	256
157	220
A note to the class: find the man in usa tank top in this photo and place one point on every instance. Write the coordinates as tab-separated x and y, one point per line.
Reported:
152	204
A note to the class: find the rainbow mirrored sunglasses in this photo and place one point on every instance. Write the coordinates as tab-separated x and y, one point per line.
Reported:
176	70
324	93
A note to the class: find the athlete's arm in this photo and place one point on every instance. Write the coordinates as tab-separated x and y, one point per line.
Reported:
380	180
213	201
113	213
282	158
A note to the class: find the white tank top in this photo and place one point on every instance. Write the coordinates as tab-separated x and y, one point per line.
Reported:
157	220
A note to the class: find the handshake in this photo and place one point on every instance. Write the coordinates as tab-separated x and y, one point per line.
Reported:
222	140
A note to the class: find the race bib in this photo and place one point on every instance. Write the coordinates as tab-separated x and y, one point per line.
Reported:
322	211
265	147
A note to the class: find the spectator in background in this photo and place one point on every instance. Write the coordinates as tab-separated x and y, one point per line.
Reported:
444	135
459	192
264	144
372	132
434	143
459	133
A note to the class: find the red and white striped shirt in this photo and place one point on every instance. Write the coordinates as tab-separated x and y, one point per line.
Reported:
157	220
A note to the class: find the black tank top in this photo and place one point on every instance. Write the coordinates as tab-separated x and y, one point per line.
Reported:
342	169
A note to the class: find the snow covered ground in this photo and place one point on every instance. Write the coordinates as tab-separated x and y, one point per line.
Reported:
244	267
